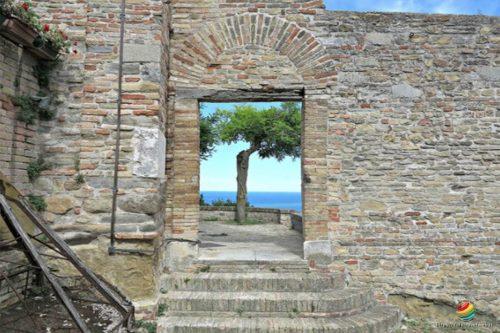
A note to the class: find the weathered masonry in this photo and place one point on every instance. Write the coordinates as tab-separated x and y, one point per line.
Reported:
400	138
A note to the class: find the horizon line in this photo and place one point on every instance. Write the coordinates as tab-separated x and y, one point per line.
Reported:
252	191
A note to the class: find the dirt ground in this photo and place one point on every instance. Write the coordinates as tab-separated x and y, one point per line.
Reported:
49	316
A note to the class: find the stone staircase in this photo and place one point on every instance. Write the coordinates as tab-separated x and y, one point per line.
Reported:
268	296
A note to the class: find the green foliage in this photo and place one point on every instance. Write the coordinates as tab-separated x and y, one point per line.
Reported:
23	11
225	203
30	110
35	168
48	35
80	179
202	201
162	308
273	132
149	326
38	202
42	72
209	137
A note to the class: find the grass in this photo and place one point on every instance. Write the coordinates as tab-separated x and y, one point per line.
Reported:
210	219
246	222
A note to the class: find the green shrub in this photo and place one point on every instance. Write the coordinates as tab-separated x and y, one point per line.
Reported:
30	110
42	72
35	168
38	202
202	201
149	326
226	203
80	179
162	308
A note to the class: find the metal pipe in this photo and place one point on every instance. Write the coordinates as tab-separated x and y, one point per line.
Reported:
111	249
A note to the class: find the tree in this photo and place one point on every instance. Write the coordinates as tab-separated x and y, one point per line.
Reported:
273	132
208	135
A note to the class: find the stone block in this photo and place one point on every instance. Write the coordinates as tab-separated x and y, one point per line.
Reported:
140	203
406	91
319	251
98	205
377	38
180	255
149	152
59	204
489	73
141	52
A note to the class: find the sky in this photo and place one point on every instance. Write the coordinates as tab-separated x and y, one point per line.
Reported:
485	7
218	173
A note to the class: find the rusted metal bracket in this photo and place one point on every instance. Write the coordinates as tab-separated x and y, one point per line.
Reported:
11	220
10	196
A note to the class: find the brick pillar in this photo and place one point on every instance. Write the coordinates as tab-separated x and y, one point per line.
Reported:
317	247
185	183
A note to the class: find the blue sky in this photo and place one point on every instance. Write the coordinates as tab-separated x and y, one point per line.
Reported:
218	173
486	7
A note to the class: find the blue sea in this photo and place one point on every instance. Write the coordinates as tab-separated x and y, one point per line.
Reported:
283	200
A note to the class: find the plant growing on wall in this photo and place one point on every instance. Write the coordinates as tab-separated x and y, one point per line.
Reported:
274	132
35	168
38	202
32	108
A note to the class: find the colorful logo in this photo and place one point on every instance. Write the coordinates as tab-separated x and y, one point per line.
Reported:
466	311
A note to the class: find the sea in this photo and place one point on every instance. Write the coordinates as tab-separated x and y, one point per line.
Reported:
282	200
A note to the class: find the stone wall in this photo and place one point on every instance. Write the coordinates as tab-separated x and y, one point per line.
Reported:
18	147
17	140
399	139
400	132
414	119
83	142
266	215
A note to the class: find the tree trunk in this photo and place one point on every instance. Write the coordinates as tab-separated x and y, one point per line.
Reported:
242	160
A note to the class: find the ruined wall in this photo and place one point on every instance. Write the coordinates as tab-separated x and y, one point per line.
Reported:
82	144
408	109
17	149
414	118
17	139
264	215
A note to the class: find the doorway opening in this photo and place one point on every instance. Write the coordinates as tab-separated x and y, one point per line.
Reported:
251	181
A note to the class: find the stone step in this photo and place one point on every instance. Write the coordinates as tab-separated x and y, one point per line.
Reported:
240	266
253	281
379	319
332	303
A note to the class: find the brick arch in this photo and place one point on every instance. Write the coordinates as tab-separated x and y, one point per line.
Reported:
200	50
196	57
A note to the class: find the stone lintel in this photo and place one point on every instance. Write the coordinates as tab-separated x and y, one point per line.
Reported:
217	95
